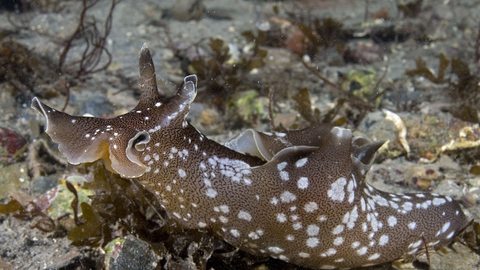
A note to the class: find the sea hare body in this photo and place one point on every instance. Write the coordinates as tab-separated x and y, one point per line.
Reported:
298	196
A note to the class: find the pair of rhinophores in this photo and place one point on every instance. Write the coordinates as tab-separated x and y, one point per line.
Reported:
298	196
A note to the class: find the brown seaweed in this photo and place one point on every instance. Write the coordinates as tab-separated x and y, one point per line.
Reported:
463	87
221	75
92	58
120	207
410	9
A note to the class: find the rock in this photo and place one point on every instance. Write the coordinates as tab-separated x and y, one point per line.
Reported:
11	145
130	253
377	127
98	106
13	177
186	10
42	184
363	52
457	257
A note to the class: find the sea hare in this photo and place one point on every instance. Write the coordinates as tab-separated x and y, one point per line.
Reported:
298	196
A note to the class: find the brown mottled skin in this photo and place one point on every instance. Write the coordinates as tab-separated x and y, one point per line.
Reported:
298	196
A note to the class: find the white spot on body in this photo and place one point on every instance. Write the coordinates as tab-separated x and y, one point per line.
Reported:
287	197
284	176
352	218
244	215
445	227
212	193
407	207
383	240
274	201
351	197
313	230
297	226
380	200
337	192
312	242
330	252
338	241
362	251
253	235
275	250
302	183
346	217
281	217
182	173
310	207
304	255
374	223
301	162
283	257
392	221
438	201
223	219
338	229
412	225
235	233
322	218
434	243
207	182
416	244
224	208
374	257
393	204
281	166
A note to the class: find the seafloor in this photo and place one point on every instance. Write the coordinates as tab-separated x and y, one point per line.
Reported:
403	71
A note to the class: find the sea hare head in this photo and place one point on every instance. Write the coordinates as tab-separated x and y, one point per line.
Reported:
119	141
